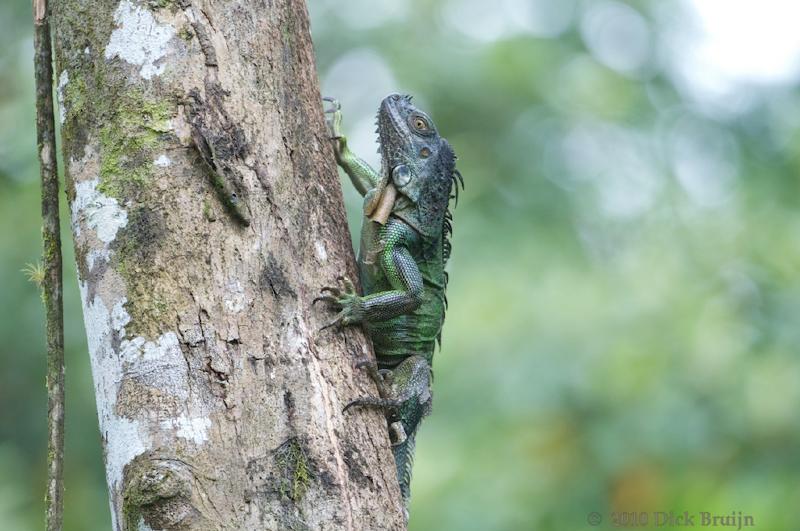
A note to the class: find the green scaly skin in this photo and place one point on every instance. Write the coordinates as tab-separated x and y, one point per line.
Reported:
401	265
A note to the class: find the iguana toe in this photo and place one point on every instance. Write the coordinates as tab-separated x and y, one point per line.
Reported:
346	300
334	121
370	401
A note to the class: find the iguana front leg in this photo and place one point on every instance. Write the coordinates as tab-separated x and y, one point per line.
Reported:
402	273
361	174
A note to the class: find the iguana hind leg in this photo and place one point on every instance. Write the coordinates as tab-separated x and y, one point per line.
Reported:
408	401
407	383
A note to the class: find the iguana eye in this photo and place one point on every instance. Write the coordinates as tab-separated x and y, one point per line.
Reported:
401	175
420	124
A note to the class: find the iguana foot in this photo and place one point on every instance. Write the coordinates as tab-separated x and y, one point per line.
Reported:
346	300
334	120
371	401
381	377
406	390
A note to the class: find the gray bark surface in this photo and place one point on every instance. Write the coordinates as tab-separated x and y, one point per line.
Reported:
219	401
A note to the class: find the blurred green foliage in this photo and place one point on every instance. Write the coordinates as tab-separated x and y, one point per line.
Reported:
622	332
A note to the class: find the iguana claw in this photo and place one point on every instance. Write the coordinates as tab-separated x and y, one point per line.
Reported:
379	403
346	300
336	292
381	377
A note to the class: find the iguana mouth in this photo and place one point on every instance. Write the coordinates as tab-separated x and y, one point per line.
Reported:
393	133
393	136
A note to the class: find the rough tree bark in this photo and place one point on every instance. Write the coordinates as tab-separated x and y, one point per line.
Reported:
219	401
52	288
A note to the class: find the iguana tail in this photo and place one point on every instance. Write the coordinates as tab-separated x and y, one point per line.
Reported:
411	382
404	460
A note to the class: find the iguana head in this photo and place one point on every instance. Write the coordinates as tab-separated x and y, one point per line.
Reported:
419	162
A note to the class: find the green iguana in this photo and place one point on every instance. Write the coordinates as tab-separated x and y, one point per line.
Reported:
404	248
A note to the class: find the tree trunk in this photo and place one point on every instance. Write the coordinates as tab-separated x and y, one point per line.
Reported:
52	287
206	214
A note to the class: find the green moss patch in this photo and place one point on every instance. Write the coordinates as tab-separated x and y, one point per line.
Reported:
128	141
294	470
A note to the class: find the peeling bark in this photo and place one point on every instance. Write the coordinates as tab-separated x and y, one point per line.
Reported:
219	401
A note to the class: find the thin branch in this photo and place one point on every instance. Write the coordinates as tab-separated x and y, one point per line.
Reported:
52	286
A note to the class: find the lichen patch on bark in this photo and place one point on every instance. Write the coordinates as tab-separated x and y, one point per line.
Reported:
194	429
320	251
235	298
63	79
158	364
139	39
96	210
96	257
123	438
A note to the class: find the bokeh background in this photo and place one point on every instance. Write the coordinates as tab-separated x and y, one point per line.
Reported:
624	312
